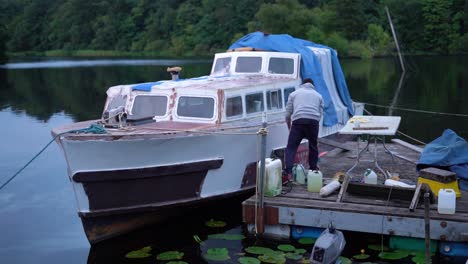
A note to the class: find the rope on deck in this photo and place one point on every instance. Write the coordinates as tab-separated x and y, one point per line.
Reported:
417	110
93	128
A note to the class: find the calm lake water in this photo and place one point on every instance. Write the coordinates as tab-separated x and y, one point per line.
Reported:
38	219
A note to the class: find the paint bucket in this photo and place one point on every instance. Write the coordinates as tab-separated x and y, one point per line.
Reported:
273	182
314	181
446	201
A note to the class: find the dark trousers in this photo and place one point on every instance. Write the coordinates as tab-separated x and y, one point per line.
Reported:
302	128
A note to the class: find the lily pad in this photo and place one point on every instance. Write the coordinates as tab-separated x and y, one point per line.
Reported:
248	260
286	247
294	256
227	236
177	262
345	260
217	254
214	223
393	255
377	247
141	253
170	255
304	261
259	250
361	256
300	251
272	258
419	259
307	240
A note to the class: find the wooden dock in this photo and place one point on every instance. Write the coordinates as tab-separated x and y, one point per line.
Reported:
386	212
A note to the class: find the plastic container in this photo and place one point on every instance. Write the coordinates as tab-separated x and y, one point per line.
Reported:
273	183
314	180
446	201
390	182
330	188
370	177
299	174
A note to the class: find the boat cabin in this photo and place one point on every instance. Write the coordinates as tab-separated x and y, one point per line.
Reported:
241	85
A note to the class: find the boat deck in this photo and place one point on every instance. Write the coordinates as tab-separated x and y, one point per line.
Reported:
372	209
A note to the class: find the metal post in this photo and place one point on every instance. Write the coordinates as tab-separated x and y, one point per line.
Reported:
261	183
427	228
396	40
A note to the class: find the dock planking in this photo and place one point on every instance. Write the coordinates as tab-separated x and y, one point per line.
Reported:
390	215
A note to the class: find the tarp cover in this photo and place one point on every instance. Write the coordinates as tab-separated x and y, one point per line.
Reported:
448	151
310	66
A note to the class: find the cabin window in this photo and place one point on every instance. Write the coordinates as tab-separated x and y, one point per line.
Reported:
249	64
222	65
281	66
116	101
287	92
149	105
234	106
200	107
274	100
254	103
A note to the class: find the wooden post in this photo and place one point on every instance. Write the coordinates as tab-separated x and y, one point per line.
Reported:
395	39
427	227
260	224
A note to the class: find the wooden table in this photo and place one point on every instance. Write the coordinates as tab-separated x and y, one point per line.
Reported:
376	127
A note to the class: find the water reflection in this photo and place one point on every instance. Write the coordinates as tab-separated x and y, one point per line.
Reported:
61	63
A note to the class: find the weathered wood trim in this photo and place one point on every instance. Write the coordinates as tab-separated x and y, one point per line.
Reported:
270	214
158	171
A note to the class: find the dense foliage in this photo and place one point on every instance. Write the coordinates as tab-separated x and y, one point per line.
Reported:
357	28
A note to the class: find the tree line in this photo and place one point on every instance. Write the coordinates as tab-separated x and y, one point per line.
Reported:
356	28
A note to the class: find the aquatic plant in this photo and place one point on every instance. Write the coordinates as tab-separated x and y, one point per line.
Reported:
214	223
259	250
300	251
294	256
418	259
248	260
170	255
307	240
345	260
361	256
393	255
286	247
141	253
217	254
377	247
227	236
272	258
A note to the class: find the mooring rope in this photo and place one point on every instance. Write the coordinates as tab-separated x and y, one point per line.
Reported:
93	128
417	110
399	132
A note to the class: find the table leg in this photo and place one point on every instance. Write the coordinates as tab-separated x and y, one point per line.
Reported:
391	154
376	164
358	155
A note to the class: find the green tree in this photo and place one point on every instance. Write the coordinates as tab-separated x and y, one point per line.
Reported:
437	28
350	18
284	16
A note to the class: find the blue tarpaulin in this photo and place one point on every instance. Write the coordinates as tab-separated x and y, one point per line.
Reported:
449	151
310	66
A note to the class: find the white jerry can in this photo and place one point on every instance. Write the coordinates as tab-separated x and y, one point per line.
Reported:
273	182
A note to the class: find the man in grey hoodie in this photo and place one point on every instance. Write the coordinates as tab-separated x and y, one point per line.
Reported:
303	113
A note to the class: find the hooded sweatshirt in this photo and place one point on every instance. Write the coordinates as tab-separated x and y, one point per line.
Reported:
305	102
